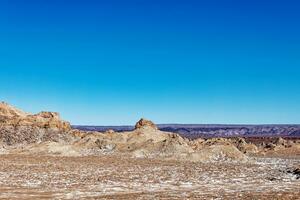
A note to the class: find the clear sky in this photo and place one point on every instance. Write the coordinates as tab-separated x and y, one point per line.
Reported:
111	62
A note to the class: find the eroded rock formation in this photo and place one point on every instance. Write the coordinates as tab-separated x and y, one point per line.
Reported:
18	127
45	132
144	123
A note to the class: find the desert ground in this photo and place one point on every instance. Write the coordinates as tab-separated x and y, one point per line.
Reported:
42	157
117	177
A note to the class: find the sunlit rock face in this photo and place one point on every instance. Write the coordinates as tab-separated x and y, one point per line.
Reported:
21	127
10	116
144	123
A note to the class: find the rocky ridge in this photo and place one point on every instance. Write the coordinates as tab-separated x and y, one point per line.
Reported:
18	127
46	133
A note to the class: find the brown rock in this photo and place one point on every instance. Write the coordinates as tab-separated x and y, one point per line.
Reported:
142	123
10	116
20	127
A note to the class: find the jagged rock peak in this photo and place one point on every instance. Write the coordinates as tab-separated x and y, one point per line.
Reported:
145	123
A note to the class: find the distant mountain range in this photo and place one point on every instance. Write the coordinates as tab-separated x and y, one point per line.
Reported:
198	130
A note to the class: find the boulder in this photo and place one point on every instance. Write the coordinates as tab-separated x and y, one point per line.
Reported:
144	123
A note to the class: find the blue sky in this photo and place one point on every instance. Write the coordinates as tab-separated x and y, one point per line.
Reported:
112	62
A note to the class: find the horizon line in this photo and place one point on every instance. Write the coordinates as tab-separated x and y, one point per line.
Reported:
200	124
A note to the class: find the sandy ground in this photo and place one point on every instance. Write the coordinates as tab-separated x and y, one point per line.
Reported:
117	177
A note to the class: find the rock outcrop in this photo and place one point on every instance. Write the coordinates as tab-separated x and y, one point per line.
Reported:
10	116
144	123
18	127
